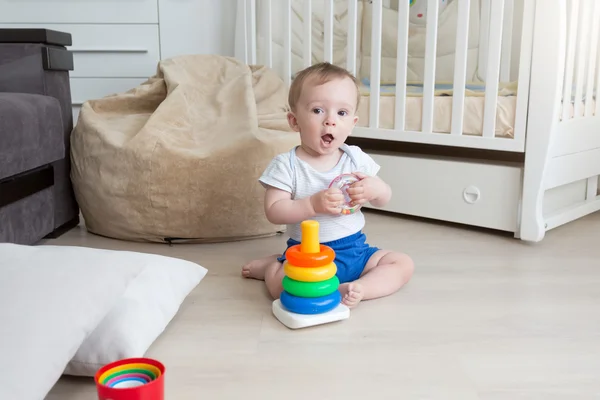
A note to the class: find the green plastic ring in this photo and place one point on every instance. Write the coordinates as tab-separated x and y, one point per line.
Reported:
310	289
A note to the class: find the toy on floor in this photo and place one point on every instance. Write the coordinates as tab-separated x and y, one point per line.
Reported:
343	182
131	379
310	287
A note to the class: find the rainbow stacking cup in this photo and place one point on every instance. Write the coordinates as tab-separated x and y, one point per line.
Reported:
131	379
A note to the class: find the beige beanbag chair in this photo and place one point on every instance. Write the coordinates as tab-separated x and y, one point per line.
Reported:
178	158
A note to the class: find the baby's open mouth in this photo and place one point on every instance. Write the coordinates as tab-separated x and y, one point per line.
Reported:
327	138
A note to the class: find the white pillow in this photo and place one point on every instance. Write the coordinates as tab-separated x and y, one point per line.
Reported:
50	300
53	297
140	316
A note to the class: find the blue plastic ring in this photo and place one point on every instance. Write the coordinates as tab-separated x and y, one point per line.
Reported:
310	305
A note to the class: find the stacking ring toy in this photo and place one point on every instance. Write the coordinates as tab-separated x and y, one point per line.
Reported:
136	377
310	294
134	371
128	382
128	368
314	274
307	305
131	379
297	258
310	289
343	182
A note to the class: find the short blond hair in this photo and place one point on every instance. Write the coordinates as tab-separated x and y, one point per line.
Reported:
323	72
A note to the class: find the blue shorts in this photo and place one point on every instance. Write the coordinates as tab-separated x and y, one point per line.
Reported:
351	255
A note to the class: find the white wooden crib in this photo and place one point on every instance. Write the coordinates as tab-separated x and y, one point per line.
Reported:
489	93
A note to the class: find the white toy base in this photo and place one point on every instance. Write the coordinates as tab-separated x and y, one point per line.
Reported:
296	321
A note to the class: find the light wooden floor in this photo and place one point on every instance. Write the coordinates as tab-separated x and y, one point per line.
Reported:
485	317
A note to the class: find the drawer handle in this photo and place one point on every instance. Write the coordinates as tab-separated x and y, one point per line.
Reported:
108	50
471	194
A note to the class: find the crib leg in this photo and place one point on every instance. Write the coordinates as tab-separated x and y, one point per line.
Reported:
532	226
545	97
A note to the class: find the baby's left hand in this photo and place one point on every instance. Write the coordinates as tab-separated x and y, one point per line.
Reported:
367	189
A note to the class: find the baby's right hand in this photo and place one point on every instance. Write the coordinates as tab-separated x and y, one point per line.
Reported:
328	201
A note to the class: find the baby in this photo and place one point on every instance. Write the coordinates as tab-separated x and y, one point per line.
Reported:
323	100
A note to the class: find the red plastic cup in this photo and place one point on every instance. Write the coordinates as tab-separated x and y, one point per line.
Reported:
153	390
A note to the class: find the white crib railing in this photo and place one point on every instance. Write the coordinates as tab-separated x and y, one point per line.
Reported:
579	109
563	140
495	45
557	113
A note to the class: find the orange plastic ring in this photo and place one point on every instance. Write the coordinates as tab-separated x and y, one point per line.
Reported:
310	260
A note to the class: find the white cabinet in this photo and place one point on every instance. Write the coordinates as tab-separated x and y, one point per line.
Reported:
79	11
117	44
113	50
83	89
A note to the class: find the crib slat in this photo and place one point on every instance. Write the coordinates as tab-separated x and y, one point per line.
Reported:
252	30
401	62
493	69
593	52
484	34
571	45
375	64
287	42
269	35
597	108
460	66
430	59
521	111
583	37
351	39
507	31
307	41
328	25
245	13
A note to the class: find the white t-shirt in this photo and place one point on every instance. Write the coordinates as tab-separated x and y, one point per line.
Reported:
288	172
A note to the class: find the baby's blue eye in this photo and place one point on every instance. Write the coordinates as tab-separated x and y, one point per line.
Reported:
316	110
343	113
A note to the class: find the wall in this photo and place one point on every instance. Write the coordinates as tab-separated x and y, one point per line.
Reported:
209	31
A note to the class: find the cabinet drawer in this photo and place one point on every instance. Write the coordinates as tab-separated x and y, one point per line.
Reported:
83	89
78	11
102	51
485	195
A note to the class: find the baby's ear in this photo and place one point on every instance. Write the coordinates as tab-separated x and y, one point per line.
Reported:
355	119
293	121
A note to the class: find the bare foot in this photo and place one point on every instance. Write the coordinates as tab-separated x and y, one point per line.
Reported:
256	269
352	293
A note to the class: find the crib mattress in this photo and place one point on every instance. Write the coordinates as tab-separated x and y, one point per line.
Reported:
442	109
442	114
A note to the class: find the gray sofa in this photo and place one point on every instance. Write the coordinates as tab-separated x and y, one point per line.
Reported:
36	196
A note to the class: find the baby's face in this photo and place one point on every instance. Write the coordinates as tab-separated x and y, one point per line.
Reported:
325	115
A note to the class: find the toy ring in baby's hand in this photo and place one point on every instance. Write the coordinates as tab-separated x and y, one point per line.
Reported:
343	182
